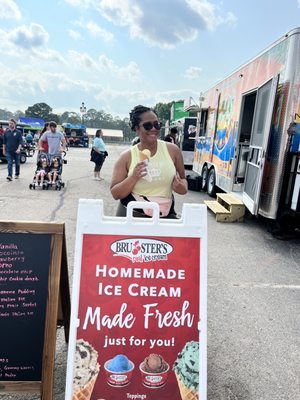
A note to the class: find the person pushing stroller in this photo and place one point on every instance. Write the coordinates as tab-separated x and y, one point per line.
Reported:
56	146
56	141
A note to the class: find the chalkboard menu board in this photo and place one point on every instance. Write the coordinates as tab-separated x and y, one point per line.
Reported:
31	268
24	270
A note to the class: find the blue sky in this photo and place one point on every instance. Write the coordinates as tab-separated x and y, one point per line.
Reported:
115	54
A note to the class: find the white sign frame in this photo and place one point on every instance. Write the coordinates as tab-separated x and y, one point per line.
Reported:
91	220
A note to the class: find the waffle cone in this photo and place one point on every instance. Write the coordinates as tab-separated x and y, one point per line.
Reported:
85	392
144	155
186	393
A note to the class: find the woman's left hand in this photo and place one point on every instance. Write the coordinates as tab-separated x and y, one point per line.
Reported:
179	185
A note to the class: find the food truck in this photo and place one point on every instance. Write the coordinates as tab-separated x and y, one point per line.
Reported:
185	122
186	128
76	135
248	130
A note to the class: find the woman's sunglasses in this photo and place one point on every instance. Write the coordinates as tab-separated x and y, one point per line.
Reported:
149	125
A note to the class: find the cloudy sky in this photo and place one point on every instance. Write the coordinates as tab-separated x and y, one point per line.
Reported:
114	54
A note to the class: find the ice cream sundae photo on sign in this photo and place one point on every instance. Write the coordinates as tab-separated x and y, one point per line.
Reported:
137	333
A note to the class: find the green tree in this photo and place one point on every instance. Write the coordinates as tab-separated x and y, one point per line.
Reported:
91	117
70	117
41	110
163	111
128	134
5	114
17	114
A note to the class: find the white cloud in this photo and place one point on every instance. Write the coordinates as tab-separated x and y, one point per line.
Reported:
171	25
49	55
28	37
104	64
82	60
32	82
29	42
131	71
211	13
96	31
74	34
193	72
122	101
9	10
79	3
205	10
31	85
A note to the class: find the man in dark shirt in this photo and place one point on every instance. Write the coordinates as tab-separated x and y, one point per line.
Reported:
171	136
12	148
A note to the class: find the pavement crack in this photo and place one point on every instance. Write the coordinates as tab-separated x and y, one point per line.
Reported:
59	205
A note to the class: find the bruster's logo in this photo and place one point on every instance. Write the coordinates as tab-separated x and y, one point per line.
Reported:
142	250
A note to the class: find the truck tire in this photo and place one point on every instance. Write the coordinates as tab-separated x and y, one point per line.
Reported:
211	183
204	176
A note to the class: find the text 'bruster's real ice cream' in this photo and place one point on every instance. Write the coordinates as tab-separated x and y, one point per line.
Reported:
186	368
118	370
86	369
154	371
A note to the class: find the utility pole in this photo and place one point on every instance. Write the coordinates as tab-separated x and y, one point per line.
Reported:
82	111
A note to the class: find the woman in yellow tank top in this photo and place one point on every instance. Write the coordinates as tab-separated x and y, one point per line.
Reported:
150	170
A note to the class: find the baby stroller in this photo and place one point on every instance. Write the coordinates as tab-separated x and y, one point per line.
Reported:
48	172
55	171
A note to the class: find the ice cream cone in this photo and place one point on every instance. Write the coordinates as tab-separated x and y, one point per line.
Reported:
185	392
145	155
85	392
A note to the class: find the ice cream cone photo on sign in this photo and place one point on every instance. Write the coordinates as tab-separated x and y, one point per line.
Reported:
86	370
186	368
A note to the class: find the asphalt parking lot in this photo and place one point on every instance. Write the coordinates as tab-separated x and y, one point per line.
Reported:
253	284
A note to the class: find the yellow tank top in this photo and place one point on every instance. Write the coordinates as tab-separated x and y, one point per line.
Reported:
161	172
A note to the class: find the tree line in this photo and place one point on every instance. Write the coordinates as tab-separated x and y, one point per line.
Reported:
92	118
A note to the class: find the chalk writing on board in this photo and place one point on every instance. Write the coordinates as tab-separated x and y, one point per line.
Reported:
24	270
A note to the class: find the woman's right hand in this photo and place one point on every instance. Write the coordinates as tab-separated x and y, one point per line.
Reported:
140	170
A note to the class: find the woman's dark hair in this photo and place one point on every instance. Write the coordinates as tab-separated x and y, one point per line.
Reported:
98	132
135	116
46	125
